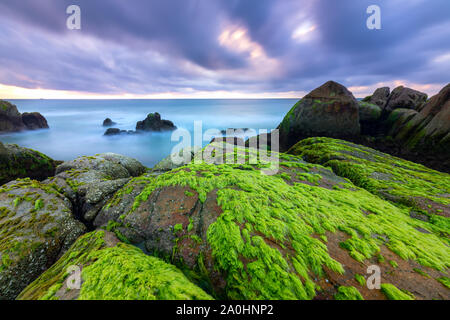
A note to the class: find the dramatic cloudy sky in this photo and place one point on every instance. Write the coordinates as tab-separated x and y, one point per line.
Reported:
219	48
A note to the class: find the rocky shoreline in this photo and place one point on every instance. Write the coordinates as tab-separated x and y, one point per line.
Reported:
226	231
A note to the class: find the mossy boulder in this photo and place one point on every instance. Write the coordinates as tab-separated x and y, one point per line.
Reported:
185	155
405	98
298	234
330	110
425	191
18	162
380	97
89	182
369	116
36	227
428	132
112	270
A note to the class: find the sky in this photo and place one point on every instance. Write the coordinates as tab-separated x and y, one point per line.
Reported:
219	48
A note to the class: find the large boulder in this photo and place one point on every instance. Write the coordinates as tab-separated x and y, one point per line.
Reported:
330	110
405	98
112	270
185	156
10	117
89	182
34	121
36	228
300	234
11	120
17	162
369	116
153	122
380	97
428	131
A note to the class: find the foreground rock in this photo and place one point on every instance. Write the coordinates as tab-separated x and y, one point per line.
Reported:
330	110
380	97
36	228
89	182
11	120
301	234
153	122
425	191
185	156
17	162
112	271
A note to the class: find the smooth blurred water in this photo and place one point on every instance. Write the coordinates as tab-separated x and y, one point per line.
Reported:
76	125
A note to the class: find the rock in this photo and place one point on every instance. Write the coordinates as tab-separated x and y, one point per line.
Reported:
108	122
236	141
89	182
113	132
168	164
369	116
391	178
34	121
153	122
330	110
36	228
11	120
369	112
428	132
397	119
405	98
246	235
380	97
113	271
17	162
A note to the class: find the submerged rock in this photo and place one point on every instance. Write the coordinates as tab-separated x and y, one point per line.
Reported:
245	235
108	122
17	162
153	122
112	271
11	120
36	228
330	110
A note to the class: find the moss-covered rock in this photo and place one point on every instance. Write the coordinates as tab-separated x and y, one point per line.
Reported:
299	234
17	162
425	191
89	182
112	270
330	110
36	227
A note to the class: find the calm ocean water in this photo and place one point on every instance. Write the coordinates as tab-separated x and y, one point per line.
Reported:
76	125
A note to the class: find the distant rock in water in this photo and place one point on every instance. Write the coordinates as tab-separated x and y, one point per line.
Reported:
34	121
117	131
330	110
108	122
12	121
153	122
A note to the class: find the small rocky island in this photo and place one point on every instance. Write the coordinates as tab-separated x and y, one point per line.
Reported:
153	123
11	120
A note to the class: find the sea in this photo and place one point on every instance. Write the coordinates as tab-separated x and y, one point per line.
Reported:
76	126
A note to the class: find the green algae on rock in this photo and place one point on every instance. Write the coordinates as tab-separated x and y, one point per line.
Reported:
393	293
348	293
112	270
403	182
17	162
244	235
36	227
